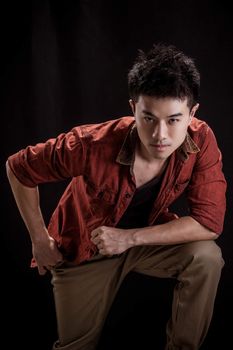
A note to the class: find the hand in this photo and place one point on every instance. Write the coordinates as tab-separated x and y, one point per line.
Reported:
46	254
111	240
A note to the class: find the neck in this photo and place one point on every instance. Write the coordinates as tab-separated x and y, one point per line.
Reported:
147	158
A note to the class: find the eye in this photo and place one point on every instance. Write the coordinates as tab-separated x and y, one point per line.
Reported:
173	121
148	119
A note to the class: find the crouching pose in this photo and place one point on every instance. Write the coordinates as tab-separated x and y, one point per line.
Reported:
114	215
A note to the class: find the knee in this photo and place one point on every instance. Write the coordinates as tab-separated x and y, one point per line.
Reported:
207	255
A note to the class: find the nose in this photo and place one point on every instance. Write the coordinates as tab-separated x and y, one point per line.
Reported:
160	131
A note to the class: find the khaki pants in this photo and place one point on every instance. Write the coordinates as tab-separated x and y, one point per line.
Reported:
84	294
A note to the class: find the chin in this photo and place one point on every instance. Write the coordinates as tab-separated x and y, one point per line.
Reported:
160	157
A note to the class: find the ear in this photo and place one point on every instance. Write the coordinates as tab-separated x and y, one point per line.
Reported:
132	105
193	111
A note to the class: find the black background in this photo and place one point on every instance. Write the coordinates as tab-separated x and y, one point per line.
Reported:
65	63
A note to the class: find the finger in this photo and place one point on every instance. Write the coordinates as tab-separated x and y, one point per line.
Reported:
103	252
58	264
97	232
92	239
42	270
96	240
53	264
100	246
56	258
59	257
94	233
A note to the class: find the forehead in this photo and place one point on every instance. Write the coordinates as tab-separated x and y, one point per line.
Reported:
161	106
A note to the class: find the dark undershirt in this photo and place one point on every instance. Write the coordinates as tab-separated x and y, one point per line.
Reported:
138	211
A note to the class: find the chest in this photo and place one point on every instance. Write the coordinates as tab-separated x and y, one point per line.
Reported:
145	172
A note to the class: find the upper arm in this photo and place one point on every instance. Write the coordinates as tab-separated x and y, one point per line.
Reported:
56	159
207	189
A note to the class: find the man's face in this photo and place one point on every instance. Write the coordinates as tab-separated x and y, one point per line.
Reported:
161	124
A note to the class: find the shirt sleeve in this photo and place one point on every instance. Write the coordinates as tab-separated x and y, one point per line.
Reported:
57	159
166	216
206	192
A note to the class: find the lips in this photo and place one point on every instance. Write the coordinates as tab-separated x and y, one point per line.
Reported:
159	145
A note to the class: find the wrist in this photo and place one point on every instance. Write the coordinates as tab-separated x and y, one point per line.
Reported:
134	237
39	235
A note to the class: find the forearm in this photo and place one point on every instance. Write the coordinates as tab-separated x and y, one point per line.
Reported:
27	200
182	230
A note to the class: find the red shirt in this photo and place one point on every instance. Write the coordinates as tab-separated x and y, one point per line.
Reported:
99	158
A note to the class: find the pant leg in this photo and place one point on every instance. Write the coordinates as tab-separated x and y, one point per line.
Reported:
197	268
83	296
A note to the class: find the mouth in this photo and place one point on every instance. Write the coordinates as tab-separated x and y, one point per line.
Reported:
159	147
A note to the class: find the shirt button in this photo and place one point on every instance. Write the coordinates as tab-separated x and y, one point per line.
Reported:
127	195
168	191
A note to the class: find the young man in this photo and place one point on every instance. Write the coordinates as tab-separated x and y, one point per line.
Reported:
114	216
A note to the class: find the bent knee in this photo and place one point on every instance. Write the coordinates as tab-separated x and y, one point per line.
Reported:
206	253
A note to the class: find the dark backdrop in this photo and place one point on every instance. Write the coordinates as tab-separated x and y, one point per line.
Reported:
65	63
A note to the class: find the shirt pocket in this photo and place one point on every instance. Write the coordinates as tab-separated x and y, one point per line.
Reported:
101	201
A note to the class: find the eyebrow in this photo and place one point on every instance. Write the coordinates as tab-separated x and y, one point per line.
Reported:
169	116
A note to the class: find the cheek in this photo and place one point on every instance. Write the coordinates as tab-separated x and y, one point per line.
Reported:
180	134
143	130
142	134
147	133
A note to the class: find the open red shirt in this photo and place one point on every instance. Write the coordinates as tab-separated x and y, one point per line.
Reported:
99	158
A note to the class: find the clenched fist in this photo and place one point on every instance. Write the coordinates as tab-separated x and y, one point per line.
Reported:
111	240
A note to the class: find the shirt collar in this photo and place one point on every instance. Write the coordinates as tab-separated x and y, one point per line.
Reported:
126	154
188	146
127	151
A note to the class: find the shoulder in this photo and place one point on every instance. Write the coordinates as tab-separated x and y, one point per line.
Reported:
200	132
198	126
100	131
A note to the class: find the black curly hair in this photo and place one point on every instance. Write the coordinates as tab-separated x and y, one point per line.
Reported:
164	71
